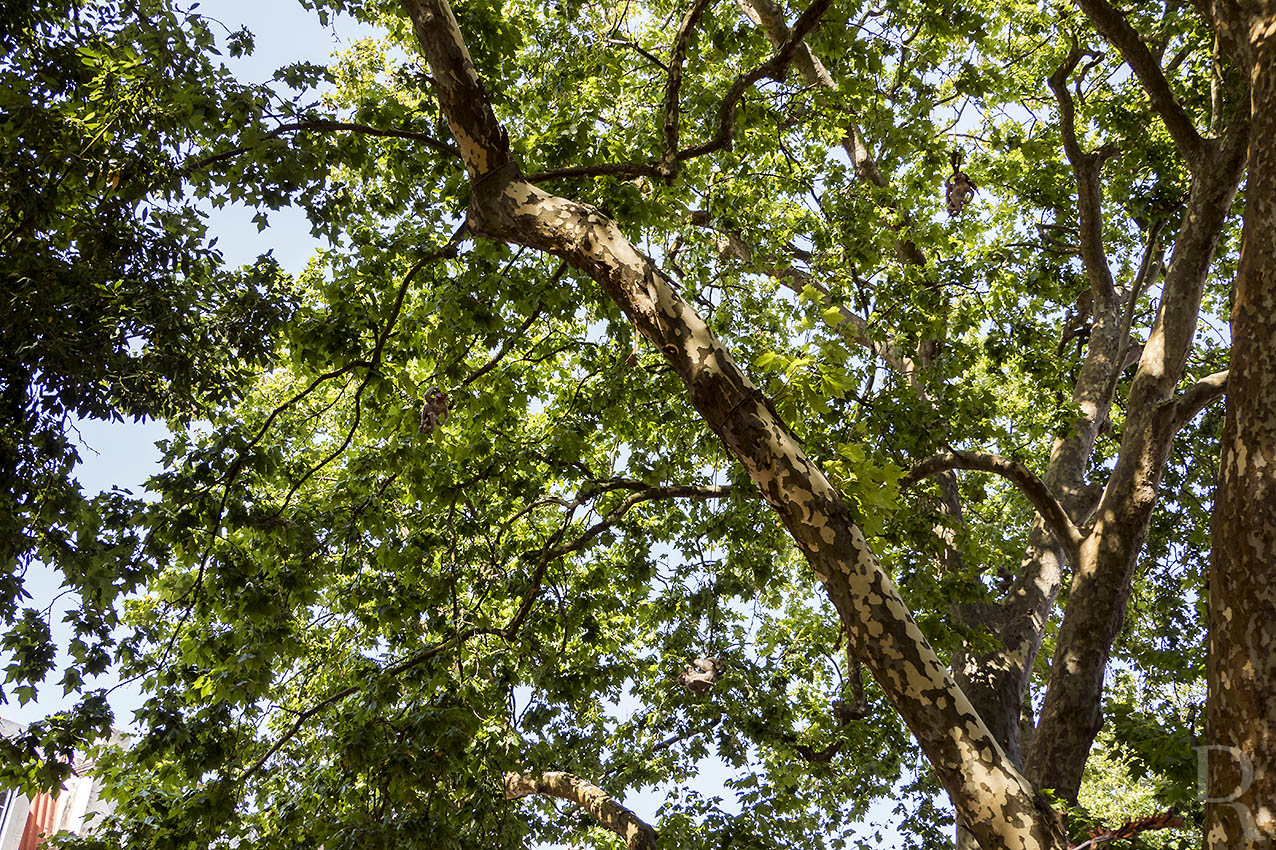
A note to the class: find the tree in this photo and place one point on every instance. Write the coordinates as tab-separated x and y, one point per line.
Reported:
1241	584
466	509
115	306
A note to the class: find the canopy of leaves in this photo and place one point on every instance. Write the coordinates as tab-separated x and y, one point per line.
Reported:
350	624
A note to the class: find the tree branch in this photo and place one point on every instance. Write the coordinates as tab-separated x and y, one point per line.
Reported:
1056	518
647	494
1070	713
325	125
683	736
666	166
602	169
856	327
768	15
1086	167
1058	82
636	832
396	669
1196	398
669	156
773	68
549	554
1128	354
1113	26
637	48
1005	810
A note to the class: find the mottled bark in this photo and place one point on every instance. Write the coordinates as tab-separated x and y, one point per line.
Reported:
1240	809
1071	714
997	681
994	682
995	801
673	111
637	834
986	789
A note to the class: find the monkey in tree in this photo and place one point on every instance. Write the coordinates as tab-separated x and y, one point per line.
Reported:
434	410
700	675
959	189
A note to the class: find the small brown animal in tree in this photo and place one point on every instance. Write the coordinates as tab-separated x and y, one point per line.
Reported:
434	410
959	189
700	675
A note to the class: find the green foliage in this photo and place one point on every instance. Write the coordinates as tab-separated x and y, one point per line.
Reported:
116	304
348	626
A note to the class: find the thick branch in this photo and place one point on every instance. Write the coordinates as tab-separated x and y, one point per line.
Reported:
1113	26
638	835
669	156
1196	398
484	145
772	68
1058	82
1068	535
1003	808
770	17
1071	712
1086	167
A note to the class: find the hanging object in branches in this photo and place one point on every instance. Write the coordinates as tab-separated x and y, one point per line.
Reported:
434	410
700	675
959	189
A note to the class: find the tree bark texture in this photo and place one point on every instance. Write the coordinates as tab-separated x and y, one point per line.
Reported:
1071	714
637	834
1240	809
990	795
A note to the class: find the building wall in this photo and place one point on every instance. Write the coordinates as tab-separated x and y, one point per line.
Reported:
25	823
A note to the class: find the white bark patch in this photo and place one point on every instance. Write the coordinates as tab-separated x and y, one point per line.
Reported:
1152	362
1260	30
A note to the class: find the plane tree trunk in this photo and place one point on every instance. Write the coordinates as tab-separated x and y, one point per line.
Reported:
1240	809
